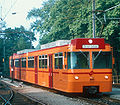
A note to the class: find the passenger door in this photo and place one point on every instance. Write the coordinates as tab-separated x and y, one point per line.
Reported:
20	69
50	71
36	70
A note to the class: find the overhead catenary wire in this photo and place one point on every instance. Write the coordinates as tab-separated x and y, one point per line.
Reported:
9	10
109	9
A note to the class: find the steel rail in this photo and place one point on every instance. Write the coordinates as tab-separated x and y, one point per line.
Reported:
91	101
7	101
102	100
114	100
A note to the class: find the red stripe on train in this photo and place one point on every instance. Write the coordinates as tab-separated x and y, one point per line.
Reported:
89	73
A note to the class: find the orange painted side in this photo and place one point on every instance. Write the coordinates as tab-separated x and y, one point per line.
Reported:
43	79
23	75
30	75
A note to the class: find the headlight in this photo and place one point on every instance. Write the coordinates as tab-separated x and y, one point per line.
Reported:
106	77
76	77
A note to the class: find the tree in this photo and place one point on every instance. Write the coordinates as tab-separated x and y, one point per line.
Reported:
15	40
60	19
67	19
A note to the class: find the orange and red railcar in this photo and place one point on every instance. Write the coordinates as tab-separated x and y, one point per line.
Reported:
70	66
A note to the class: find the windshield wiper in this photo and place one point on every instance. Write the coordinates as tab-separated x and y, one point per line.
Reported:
84	55
97	55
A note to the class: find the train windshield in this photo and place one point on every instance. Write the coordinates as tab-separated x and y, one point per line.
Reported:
102	60
78	60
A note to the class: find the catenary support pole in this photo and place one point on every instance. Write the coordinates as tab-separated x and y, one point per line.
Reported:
93	16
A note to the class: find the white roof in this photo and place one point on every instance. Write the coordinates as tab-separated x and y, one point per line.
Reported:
55	44
26	51
45	46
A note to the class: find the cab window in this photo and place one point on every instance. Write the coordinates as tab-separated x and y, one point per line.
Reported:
78	60
102	60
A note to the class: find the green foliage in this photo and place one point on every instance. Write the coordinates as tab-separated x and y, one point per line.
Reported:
67	19
110	24
15	40
18	38
60	19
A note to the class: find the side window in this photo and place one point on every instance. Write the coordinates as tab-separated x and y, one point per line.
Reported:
40	61
59	61
56	61
43	61
31	62
17	63
23	62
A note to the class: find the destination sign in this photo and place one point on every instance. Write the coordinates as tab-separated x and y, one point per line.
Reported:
90	46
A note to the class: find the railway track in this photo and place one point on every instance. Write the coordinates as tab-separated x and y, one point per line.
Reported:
20	99
98	99
110	101
92	102
87	98
6	94
102	100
